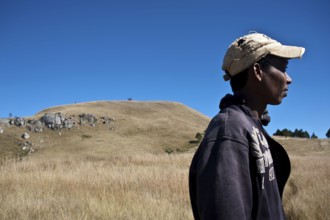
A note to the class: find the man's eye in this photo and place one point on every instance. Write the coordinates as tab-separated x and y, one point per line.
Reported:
283	69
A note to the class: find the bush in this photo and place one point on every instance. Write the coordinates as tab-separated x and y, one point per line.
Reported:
297	133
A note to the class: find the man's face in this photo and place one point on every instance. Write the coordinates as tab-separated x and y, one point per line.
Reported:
275	80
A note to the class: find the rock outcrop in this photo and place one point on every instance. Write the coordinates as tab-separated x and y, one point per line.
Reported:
57	121
54	121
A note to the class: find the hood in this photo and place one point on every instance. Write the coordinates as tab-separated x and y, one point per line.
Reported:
230	99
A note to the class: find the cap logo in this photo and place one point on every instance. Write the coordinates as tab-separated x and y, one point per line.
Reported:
240	42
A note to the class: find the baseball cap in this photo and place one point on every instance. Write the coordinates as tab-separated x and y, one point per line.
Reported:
249	49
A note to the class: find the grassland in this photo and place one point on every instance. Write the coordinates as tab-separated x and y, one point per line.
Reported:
120	173
307	194
143	186
139	187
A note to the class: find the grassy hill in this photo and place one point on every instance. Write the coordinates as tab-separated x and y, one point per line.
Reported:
152	127
123	170
305	147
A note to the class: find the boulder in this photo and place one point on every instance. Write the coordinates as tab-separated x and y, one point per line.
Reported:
56	121
48	119
19	122
37	126
88	119
68	123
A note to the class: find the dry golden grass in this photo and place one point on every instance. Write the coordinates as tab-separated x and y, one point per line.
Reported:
139	187
307	194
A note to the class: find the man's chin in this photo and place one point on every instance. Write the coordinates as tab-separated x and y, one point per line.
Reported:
276	102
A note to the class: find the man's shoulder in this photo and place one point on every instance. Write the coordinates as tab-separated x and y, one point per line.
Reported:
233	116
231	122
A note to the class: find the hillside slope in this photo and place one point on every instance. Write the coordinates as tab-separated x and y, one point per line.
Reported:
152	127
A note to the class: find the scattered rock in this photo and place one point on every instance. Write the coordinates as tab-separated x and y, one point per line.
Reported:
52	121
88	119
68	123
19	122
107	120
25	136
35	126
27	146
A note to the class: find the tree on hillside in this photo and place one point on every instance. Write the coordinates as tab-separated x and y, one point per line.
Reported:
328	133
300	133
314	136
278	132
285	132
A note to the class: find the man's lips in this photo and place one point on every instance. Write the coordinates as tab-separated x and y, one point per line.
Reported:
285	92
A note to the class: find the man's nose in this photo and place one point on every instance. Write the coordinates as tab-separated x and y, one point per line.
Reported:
288	78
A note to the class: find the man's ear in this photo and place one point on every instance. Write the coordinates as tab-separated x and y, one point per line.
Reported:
257	71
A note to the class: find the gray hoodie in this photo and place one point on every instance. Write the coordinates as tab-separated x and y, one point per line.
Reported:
238	171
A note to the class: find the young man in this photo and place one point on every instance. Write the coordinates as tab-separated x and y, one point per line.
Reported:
239	171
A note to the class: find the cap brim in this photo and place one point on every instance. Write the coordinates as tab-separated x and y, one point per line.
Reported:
288	52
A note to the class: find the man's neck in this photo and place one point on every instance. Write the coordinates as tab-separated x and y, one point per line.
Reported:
252	102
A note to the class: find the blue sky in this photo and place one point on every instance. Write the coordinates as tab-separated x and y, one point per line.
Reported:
67	51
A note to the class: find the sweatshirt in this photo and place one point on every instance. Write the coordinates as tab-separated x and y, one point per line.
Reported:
238	172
